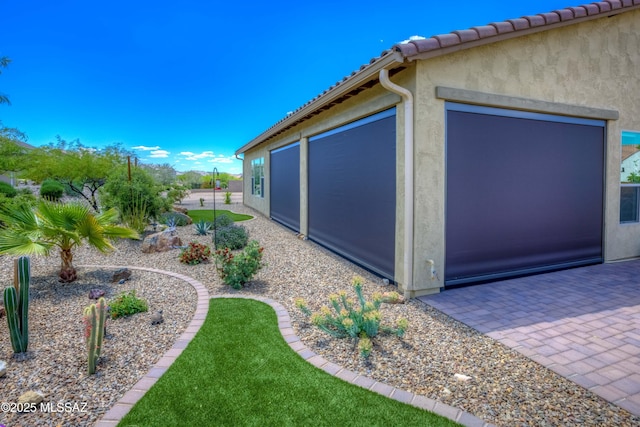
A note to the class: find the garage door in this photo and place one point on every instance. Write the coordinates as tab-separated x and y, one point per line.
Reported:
524	193
352	191
285	186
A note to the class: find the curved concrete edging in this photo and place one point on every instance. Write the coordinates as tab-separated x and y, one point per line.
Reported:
124	405
130	398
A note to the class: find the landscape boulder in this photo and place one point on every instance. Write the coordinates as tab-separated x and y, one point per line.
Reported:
182	217
119	275
96	293
31	397
160	242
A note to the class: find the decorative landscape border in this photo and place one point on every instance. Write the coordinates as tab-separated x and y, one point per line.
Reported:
130	398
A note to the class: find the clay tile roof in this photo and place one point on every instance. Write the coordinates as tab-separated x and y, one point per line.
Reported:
539	21
485	31
603	6
467	35
503	27
535	20
447	39
519	24
550	18
399	54
579	11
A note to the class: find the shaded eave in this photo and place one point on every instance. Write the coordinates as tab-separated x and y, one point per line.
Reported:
400	55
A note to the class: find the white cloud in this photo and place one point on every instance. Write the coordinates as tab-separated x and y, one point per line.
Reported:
159	154
144	148
223	159
192	156
412	38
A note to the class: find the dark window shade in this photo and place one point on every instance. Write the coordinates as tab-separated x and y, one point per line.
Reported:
523	195
352	193
629	204
285	186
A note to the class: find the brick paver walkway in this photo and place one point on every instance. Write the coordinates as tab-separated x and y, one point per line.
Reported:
582	323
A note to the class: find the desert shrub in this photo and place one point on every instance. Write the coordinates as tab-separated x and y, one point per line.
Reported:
140	196
7	189
195	253
14	203
362	322
51	190
222	220
177	218
237	269
232	237
227	198
127	304
176	193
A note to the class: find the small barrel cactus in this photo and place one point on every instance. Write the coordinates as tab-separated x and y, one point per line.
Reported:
94	320
16	303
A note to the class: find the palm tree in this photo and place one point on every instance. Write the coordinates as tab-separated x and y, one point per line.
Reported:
37	231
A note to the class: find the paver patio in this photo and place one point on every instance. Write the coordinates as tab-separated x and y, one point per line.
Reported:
583	323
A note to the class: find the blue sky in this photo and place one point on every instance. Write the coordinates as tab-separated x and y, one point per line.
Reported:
187	83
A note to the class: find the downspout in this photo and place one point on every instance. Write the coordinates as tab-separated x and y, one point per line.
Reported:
407	99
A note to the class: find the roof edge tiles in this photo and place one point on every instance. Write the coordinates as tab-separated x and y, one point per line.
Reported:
401	54
515	28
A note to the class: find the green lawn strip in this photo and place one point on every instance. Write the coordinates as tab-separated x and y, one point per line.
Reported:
207	215
239	371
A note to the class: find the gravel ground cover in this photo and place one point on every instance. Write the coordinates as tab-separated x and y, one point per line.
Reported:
500	385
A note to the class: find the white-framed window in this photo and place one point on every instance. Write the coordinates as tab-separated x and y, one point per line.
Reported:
257	177
630	177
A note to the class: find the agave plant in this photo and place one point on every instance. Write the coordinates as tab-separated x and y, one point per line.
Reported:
49	225
202	227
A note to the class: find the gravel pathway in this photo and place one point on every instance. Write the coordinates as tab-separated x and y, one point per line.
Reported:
503	387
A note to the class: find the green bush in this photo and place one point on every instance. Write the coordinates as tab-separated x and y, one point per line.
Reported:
227	198
7	189
232	237
51	190
222	220
361	322
135	198
127	304
236	270
14	203
195	253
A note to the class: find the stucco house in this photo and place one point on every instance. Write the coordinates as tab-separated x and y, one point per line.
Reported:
466	157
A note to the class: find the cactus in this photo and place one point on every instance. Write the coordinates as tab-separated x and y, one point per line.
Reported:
16	303
94	319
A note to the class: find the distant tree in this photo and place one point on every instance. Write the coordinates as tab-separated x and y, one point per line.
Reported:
82	169
12	149
4	62
191	179
223	177
164	174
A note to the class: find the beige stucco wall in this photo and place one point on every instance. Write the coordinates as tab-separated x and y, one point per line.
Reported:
593	64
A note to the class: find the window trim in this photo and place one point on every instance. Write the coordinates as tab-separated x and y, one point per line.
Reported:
635	185
257	171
